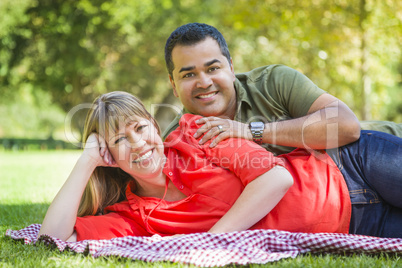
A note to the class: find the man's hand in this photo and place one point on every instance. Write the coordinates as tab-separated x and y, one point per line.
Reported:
221	129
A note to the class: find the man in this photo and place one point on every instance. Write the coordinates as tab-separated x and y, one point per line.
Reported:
274	105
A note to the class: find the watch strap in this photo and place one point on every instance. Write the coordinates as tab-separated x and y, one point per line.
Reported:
257	130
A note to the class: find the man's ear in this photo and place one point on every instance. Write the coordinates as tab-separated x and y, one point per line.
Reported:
173	86
232	69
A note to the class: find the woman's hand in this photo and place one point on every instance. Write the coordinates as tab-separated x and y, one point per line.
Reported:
96	149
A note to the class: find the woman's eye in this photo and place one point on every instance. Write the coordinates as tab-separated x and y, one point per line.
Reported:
141	127
119	140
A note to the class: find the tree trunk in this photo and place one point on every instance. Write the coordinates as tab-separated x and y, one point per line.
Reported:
365	80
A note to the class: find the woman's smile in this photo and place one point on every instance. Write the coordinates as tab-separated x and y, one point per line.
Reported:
143	156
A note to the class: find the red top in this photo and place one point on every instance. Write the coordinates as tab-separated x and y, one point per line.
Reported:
212	180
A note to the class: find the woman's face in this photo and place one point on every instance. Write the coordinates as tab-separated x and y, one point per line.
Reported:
137	148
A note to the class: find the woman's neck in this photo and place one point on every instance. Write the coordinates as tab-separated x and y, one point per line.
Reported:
158	190
154	187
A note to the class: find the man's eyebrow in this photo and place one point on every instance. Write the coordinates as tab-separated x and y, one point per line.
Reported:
209	63
189	68
185	69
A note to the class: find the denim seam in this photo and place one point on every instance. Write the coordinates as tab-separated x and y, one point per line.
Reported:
374	200
340	165
369	134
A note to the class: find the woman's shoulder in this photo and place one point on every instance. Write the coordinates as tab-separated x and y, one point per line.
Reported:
188	122
187	127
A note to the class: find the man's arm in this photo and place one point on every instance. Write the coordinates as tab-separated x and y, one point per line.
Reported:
329	123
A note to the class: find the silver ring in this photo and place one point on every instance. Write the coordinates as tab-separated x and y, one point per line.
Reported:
220	128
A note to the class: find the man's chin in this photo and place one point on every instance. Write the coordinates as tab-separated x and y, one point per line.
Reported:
212	113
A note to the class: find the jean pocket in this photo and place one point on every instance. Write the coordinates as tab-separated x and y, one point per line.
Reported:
363	196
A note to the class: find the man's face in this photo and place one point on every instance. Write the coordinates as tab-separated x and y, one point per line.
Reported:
203	79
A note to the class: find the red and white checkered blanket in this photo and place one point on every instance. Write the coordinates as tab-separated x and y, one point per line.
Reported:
205	249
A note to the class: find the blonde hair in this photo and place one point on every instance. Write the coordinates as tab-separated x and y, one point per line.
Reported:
107	185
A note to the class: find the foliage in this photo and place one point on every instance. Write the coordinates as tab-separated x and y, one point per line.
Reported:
74	50
31	113
338	44
25	194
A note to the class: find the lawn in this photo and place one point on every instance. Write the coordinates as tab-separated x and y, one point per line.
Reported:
30	180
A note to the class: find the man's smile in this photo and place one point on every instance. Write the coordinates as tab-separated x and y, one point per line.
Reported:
207	96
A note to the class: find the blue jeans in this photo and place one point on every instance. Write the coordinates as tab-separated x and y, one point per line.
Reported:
372	168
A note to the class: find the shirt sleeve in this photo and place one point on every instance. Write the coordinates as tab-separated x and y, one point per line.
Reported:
106	226
294	90
279	92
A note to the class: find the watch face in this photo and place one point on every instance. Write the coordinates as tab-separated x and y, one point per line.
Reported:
257	125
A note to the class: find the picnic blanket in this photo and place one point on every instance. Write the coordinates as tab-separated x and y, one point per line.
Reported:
206	250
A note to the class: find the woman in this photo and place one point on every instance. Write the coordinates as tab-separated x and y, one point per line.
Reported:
127	182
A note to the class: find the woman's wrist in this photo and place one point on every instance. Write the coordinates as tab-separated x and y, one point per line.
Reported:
88	160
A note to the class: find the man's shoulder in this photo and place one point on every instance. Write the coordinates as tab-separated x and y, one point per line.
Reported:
172	126
185	121
264	79
268	71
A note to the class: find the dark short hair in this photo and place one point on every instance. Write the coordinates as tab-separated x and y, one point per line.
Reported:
190	34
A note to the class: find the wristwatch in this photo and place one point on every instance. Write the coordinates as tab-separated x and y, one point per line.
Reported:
257	128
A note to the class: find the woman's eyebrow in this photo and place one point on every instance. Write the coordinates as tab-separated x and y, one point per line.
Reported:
123	131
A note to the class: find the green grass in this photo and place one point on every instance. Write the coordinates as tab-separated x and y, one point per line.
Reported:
30	180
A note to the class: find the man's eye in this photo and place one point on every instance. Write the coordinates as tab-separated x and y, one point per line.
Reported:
213	69
188	75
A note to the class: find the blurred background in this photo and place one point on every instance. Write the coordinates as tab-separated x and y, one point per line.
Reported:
57	54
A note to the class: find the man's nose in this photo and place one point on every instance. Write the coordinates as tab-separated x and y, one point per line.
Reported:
204	80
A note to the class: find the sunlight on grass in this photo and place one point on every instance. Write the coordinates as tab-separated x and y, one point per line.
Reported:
29	180
33	177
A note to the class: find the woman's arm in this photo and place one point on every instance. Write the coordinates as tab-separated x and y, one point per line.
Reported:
258	198
61	216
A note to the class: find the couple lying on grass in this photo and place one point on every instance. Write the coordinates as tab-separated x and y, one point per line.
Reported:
127	182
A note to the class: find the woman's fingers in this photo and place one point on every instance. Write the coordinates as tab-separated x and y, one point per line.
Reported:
108	159
96	147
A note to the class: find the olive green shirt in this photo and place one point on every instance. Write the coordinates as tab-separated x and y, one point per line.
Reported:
276	93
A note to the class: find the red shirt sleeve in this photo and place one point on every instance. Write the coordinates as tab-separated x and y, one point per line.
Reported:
107	226
244	158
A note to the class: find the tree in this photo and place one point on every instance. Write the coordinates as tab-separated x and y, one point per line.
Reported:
74	50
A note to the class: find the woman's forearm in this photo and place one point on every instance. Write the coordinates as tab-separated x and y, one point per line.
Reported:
256	201
62	213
